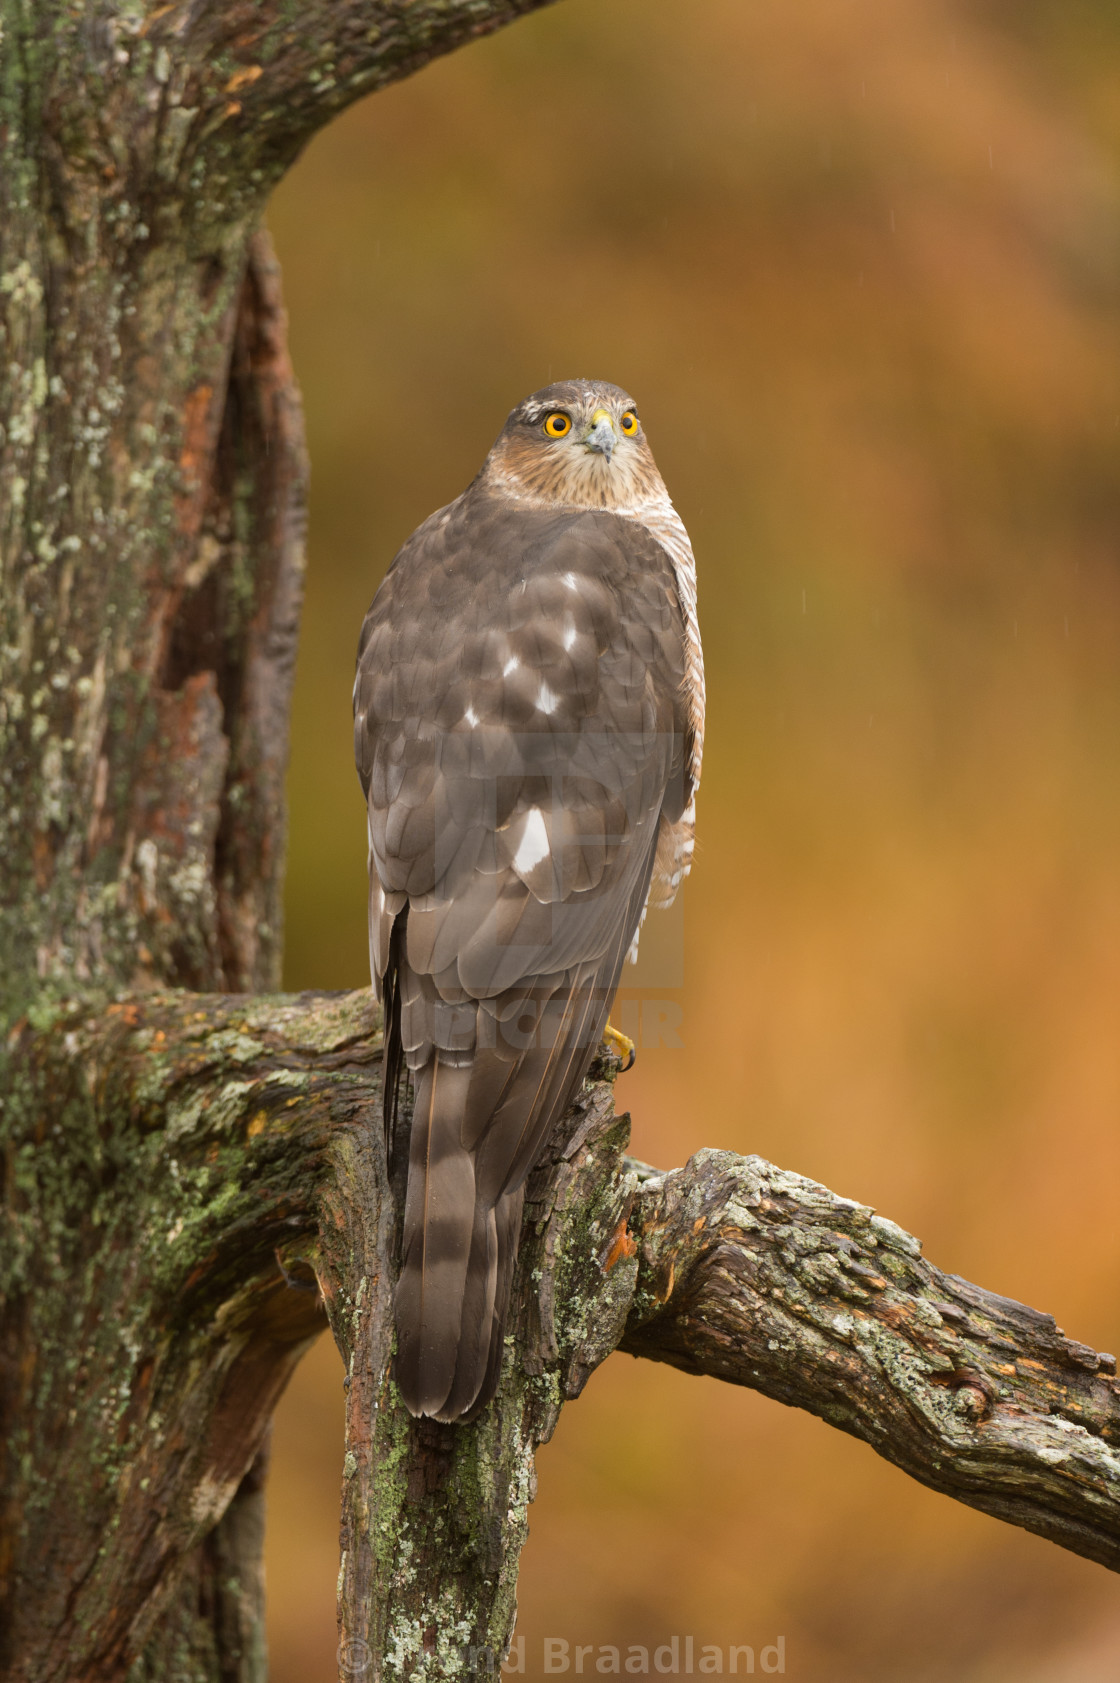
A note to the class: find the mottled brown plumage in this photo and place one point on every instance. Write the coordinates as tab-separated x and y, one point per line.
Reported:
528	724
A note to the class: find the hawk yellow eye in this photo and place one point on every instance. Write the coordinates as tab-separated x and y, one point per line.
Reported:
629	423
557	425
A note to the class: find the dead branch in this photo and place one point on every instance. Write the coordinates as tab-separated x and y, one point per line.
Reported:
763	1278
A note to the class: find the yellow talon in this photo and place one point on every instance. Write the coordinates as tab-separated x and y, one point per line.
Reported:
621	1046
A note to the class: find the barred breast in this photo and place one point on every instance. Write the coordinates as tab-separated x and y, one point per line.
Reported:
676	841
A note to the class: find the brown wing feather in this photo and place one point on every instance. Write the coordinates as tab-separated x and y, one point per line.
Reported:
520	734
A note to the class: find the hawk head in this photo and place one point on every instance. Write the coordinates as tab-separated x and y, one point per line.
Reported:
578	443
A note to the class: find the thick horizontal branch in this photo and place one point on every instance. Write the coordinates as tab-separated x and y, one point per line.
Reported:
215	1164
765	1279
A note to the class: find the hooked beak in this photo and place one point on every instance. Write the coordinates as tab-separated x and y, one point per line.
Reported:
602	438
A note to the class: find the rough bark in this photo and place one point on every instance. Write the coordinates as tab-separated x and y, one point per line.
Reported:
768	1280
151	528
434	1518
230	1139
148	1326
235	1182
152	469
189	1177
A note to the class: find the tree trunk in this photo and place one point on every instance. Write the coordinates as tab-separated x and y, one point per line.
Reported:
152	481
192	1168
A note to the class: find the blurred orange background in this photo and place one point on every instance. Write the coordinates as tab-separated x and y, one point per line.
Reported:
858	265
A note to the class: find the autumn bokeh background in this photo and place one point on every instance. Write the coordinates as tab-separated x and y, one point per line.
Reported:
858	263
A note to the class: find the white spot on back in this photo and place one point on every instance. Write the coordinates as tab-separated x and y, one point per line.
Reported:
511	665
570	580
471	716
570	635
546	701
533	846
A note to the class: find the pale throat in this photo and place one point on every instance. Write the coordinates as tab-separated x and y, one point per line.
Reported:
574	478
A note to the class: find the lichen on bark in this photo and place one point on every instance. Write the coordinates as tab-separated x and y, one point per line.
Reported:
152	483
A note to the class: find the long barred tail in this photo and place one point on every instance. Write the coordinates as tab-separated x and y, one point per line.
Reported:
440	1222
457	1259
478	1123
